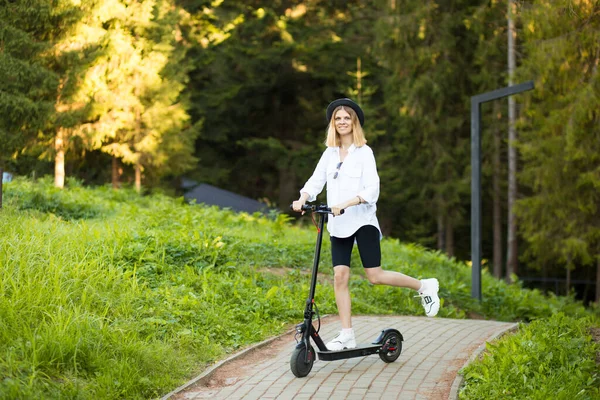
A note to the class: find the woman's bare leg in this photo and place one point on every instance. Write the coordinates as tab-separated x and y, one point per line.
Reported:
378	276
428	288
341	278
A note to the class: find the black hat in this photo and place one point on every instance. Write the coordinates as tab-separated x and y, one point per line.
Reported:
345	102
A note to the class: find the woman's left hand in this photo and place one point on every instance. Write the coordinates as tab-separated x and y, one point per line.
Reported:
336	210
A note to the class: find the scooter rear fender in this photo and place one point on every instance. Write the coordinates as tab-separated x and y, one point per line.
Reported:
379	339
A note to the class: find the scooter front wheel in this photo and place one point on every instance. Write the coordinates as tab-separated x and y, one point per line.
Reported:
301	362
391	347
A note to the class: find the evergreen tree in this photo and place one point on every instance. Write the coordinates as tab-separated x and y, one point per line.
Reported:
428	51
153	71
27	86
71	56
121	94
262	85
488	22
512	259
560	144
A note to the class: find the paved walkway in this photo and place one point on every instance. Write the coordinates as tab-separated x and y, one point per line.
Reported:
433	352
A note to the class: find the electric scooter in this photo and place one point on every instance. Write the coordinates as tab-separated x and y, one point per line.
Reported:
388	344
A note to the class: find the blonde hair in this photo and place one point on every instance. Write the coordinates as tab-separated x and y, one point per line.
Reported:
358	135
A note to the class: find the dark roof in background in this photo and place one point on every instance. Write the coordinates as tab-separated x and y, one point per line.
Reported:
187	183
212	195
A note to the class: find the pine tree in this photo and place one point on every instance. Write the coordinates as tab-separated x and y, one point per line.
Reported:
120	90
488	22
27	86
512	259
428	50
261	87
560	144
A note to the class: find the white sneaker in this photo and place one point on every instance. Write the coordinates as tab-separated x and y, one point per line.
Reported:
342	341
429	296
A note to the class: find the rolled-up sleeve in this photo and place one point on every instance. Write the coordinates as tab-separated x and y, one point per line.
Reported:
370	189
317	181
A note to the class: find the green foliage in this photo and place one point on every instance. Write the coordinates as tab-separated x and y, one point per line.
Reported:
126	296
559	144
117	72
554	358
264	76
237	89
427	50
73	204
27	86
141	118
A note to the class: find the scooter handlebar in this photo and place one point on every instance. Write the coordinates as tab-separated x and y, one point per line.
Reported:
320	208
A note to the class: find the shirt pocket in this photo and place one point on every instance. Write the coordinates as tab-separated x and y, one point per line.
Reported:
353	178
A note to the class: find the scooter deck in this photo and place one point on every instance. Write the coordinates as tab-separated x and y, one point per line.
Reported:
358	351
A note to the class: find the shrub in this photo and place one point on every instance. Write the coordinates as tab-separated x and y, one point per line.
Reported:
553	358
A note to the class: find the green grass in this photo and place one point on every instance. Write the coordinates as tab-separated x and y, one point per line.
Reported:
105	294
548	359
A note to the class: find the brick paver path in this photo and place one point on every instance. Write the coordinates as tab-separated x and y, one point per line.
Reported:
434	350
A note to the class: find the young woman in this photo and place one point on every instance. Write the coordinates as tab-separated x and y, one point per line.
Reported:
348	168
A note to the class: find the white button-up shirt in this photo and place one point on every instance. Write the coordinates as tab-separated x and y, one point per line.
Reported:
357	176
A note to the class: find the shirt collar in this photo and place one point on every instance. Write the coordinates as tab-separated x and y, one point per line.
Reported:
350	149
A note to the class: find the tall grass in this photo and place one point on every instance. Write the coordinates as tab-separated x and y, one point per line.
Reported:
68	315
105	294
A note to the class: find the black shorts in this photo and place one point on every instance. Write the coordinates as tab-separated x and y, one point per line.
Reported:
367	239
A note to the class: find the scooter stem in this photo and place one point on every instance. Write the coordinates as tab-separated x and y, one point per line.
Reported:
315	269
309	330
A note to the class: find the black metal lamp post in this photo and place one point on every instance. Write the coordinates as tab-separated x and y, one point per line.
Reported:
476	102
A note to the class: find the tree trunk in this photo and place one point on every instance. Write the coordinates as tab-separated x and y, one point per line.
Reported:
358	80
598	281
589	274
511	258
449	238
138	138
138	177
115	173
568	283
497	204
287	187
545	278
441	243
59	158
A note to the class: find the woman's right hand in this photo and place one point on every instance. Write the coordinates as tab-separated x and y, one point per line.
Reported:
297	205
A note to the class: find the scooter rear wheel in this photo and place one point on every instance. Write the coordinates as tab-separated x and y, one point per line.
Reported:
391	347
299	364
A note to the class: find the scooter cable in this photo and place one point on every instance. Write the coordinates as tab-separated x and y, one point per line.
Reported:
318	317
298	334
312	216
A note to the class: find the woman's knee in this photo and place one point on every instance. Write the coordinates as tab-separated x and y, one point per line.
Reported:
341	275
374	275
